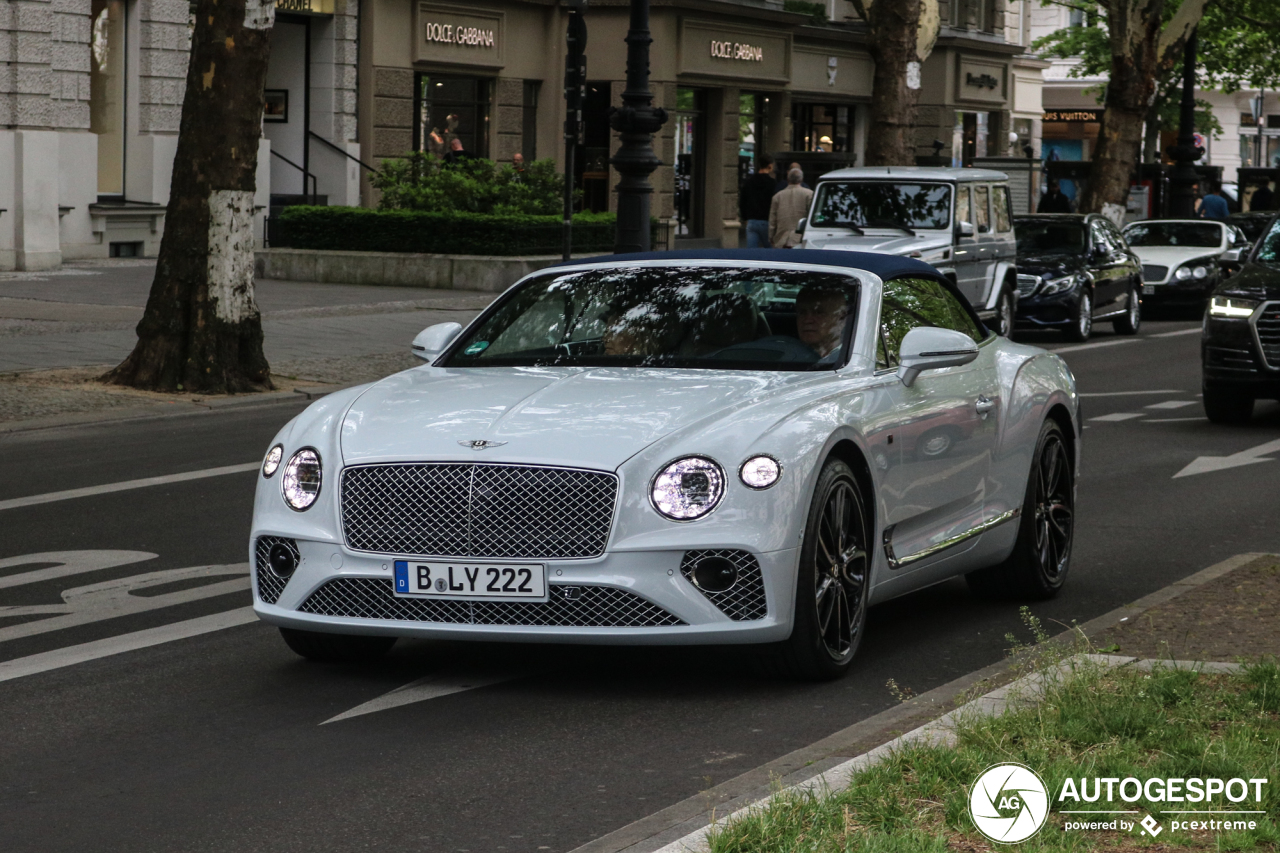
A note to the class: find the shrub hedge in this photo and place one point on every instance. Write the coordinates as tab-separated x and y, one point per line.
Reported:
361	229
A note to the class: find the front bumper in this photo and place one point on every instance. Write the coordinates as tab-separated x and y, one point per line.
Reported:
1231	355
634	597
1171	292
1058	309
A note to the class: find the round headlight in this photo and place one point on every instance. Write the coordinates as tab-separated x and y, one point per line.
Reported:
688	488
1199	272
301	481
1182	274
272	462
760	472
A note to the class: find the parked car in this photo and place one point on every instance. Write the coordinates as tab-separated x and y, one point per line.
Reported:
1252	224
673	448
1074	269
1180	258
959	220
1240	346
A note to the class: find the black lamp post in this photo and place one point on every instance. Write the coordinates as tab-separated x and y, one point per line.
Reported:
636	121
1186	152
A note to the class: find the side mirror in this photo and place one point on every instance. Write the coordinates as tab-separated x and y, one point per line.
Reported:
800	226
432	340
929	348
964	229
1230	256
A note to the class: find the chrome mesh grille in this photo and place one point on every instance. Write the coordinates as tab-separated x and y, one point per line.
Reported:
568	606
270	585
1152	272
1027	284
445	509
743	601
1267	328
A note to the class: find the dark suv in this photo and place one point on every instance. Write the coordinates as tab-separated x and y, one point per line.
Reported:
1240	348
1074	269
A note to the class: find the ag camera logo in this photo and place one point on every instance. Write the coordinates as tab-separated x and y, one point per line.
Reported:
1009	803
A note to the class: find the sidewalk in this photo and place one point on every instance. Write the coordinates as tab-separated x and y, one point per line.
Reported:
60	329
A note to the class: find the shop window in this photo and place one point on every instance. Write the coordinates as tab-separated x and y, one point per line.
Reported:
824	128
451	108
529	121
690	162
969	138
591	161
752	108
107	91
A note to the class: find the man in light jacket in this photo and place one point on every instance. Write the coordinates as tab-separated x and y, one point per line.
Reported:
787	209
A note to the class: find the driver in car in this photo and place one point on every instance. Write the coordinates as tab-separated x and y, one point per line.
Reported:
820	316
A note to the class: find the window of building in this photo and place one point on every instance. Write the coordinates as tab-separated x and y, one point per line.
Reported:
591	162
822	127
107	91
690	162
969	138
752	108
529	121
450	108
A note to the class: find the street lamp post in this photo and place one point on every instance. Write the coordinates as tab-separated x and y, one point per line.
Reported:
636	121
1186	152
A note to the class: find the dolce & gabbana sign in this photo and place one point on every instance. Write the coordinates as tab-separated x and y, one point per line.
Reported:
458	36
713	50
736	50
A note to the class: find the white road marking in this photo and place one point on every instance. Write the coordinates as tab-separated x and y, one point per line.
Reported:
71	655
434	686
1173	420
1171	404
1129	393
72	563
107	488
1098	345
1118	416
1206	464
1194	331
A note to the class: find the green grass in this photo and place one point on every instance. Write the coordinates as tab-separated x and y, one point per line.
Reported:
1090	723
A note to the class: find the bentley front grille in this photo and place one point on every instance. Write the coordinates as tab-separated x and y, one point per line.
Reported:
1151	272
745	599
1267	328
460	509
270	584
567	607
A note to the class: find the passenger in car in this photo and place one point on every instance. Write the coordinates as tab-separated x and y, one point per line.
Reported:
820	316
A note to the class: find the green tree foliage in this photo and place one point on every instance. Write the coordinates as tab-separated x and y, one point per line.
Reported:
422	182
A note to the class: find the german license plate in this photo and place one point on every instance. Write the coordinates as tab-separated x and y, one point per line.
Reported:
1148	289
471	580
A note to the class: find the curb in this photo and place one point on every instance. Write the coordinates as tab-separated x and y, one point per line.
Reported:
693	815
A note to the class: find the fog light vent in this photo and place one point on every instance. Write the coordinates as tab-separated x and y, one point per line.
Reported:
729	579
275	561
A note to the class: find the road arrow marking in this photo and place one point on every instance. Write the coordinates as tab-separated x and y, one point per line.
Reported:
1206	464
431	687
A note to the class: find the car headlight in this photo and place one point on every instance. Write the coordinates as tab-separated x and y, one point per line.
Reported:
688	488
1057	285
1236	309
1199	272
272	462
301	481
1182	273
760	472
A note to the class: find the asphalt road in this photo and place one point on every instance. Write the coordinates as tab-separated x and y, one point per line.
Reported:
219	741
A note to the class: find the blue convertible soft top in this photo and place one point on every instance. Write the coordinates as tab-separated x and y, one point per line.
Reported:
885	266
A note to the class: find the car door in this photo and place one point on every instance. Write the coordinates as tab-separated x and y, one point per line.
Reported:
945	430
1106	265
1128	267
988	246
966	249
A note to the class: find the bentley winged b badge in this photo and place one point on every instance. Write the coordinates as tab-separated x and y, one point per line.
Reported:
481	443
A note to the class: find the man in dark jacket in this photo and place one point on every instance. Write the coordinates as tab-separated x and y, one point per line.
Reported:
1054	201
754	197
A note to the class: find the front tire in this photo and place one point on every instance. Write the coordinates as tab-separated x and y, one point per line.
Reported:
833	580
336	648
1041	556
1005	315
1222	406
1082	326
1129	322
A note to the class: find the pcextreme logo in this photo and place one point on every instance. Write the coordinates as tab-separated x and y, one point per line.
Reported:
1009	803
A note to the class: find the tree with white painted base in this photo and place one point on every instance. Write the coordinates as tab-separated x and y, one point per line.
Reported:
201	331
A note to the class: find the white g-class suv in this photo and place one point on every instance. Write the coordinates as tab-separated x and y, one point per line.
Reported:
959	220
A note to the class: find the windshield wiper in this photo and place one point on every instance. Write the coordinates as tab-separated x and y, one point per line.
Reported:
884	223
854	228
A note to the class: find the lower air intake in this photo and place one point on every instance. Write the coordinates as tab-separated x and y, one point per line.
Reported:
743	601
270	585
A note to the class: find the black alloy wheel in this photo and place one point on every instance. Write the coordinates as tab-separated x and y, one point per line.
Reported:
1082	326
1130	321
336	648
1037	567
833	580
1223	405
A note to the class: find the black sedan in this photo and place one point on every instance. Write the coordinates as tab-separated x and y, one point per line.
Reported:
1240	348
1074	269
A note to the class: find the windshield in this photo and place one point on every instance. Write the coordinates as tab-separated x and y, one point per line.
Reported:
726	319
1174	234
1049	238
1269	249
882	204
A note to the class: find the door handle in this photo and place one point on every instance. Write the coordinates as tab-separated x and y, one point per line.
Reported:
983	405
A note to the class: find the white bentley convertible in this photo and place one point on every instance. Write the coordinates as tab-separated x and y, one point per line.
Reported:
684	447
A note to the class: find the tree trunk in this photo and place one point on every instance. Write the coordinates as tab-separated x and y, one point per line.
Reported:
201	331
902	34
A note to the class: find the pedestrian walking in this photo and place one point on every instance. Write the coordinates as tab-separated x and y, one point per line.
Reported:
787	209
1054	200
1262	198
754	196
782	180
1214	206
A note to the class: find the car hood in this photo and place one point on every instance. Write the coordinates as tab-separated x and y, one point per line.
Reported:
1256	280
888	243
581	417
1171	256
1051	265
